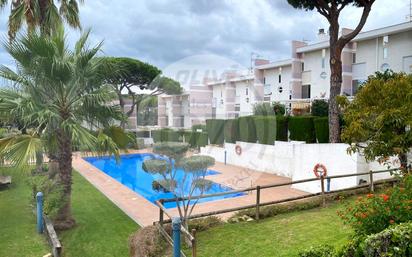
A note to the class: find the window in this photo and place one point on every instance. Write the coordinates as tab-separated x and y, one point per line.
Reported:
266	89
182	121
354	58
237	93
280	78
385	53
305	91
247	100
264	80
323	58
356	85
385	40
303	66
237	107
247	91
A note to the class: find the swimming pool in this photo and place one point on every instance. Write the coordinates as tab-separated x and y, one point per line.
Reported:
129	172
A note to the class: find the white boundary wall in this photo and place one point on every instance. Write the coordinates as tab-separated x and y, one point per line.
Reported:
296	161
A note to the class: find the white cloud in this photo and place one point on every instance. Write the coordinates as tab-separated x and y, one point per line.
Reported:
162	32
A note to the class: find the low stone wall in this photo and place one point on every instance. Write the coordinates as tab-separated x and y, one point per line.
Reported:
296	161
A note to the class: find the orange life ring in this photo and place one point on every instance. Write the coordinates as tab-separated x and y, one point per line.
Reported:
238	150
320	170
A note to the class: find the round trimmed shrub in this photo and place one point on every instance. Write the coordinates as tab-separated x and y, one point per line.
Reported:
147	242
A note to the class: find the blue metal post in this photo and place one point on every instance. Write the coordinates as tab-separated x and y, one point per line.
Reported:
176	224
39	200
328	185
225	156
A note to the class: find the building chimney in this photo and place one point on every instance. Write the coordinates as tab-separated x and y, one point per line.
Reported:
322	35
260	61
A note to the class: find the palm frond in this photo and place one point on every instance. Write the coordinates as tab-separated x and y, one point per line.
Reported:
20	149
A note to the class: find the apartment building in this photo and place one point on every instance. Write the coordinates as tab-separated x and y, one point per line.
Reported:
296	82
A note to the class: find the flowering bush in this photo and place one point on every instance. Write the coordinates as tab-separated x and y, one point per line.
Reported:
394	241
375	212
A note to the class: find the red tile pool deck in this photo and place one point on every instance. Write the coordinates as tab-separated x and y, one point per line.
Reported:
145	213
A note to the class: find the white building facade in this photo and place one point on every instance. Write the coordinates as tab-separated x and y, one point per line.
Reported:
296	82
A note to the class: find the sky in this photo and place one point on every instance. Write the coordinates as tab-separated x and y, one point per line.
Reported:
162	32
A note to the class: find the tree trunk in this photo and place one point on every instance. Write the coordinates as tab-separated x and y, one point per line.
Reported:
64	218
335	82
403	158
121	103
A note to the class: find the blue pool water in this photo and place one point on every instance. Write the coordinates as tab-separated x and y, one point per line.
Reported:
129	172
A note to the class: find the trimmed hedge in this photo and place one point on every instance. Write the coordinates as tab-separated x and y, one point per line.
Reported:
196	139
231	131
199	126
322	129
302	128
215	130
166	135
247	129
281	128
265	129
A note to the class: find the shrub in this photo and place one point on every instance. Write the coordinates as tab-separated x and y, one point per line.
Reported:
322	129
301	128
166	135
147	242
320	251
395	241
279	109
205	223
232	130
320	108
376	212
281	128
273	210
247	129
266	129
199	126
215	130
263	109
143	133
52	193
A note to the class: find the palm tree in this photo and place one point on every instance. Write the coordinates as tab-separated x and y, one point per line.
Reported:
58	96
43	14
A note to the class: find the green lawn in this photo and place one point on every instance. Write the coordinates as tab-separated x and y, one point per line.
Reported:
18	237
102	229
283	235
